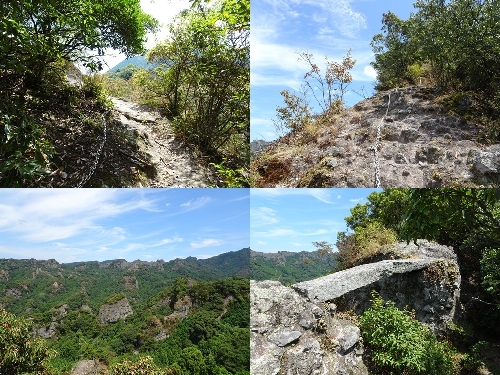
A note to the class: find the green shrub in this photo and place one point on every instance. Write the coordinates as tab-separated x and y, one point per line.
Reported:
364	244
19	351
144	366
400	343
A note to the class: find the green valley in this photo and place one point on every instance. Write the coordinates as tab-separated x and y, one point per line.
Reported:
185	316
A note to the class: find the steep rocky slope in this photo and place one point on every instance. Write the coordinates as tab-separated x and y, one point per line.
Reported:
306	329
417	144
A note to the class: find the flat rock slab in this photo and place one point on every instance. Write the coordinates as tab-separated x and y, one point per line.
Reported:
339	283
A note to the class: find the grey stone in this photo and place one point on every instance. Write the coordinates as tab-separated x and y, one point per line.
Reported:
284	338
339	283
110	313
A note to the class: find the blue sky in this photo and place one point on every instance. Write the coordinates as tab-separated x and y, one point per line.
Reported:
100	224
291	219
321	27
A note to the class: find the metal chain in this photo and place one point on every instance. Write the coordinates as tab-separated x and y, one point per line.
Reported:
377	143
99	152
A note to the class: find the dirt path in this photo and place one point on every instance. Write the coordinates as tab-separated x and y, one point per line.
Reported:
174	164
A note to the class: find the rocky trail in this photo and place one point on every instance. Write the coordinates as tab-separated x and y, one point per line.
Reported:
128	146
172	163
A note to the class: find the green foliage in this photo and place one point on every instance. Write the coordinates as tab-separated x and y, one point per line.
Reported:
47	31
295	115
328	91
399	343
395	51
386	207
20	353
490	269
202	80
455	39
115	298
24	150
291	267
216	324
144	366
231	178
364	245
191	362
124	73
40	39
449	216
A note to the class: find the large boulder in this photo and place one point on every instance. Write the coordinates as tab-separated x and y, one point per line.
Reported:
306	329
427	282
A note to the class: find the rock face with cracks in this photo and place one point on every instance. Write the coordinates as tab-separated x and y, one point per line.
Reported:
290	335
304	329
419	145
110	313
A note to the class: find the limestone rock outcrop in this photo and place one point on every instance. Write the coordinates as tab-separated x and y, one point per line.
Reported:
420	145
89	367
305	329
290	335
111	313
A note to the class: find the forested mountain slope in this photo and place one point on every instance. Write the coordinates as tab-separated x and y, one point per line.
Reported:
290	267
32	286
190	316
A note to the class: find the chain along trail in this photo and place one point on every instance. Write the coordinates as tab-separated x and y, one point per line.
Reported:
174	164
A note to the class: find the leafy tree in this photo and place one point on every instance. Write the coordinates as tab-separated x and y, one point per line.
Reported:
203	79
371	226
401	343
42	32
449	216
456	39
386	207
20	353
191	361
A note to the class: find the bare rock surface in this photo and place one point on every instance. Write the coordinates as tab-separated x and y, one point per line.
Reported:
172	163
339	283
305	330
427	281
420	145
88	367
110	313
287	338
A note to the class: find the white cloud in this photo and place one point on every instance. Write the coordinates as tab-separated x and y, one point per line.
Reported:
322	195
45	215
278	232
167	241
209	242
370	72
263	216
196	203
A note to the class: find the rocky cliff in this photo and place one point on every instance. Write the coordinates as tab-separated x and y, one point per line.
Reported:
311	327
418	143
112	312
